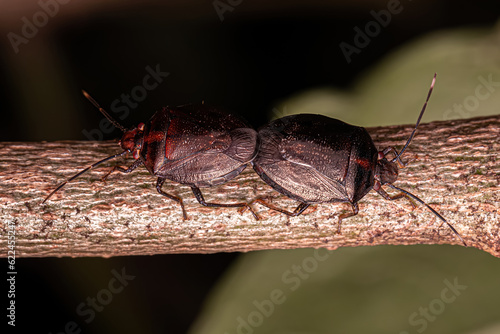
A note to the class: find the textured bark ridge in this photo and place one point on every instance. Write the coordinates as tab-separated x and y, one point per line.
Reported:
456	169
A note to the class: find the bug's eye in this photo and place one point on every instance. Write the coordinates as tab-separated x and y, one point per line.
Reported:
141	126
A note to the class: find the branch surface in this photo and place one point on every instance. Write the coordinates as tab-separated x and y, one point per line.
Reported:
456	170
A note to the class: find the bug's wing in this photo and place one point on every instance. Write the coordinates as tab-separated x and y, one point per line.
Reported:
323	143
195	129
185	137
296	168
204	153
324	169
243	146
347	163
301	182
332	162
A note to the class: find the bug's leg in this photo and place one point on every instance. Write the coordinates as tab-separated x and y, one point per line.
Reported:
378	188
355	210
159	183
136	164
199	196
301	208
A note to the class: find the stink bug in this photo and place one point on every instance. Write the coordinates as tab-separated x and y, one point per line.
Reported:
317	159
194	145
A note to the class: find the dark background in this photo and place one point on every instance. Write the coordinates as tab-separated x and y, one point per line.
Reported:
259	55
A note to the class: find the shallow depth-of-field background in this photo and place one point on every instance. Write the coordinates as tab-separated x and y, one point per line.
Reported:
366	62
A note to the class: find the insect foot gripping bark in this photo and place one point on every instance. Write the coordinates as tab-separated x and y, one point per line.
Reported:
317	159
194	145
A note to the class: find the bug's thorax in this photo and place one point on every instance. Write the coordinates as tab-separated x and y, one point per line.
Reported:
386	171
132	140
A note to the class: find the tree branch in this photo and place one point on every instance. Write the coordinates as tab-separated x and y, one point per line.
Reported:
456	170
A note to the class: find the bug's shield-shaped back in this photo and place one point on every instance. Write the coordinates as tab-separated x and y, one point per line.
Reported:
204	153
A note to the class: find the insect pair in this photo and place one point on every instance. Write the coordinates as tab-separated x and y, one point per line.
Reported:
309	158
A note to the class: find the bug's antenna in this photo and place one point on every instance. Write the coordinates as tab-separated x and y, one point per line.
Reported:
104	112
431	209
83	171
418	120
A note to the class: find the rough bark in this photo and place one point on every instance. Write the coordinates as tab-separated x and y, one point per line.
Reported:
456	170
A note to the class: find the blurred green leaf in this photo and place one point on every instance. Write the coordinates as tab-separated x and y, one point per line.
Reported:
395	90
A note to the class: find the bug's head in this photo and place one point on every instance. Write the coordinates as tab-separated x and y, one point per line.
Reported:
386	171
132	140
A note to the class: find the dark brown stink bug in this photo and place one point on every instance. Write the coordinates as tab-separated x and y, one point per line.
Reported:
317	159
195	145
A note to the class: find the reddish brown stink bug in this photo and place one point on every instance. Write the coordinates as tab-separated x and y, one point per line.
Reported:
194	145
317	159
